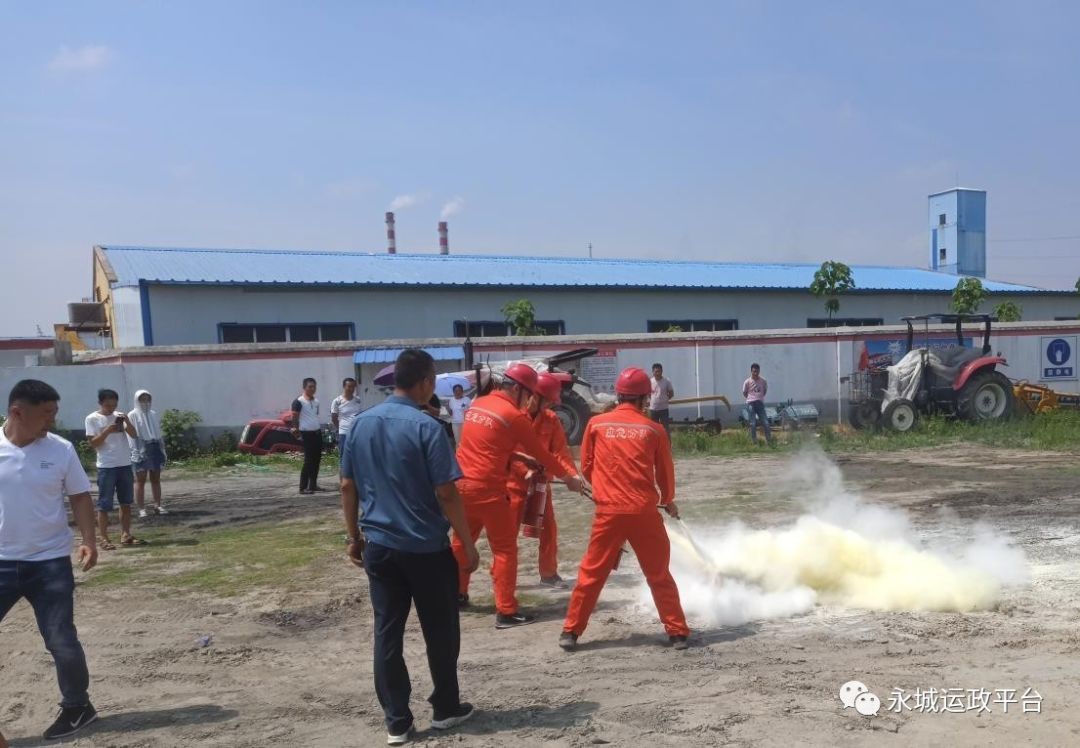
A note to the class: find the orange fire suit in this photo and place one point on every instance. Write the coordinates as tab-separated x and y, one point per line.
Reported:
549	430
494	427
626	457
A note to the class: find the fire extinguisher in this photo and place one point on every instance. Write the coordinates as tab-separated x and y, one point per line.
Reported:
535	504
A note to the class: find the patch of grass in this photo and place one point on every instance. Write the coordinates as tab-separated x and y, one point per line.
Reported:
239	461
223	562
1057	431
729	443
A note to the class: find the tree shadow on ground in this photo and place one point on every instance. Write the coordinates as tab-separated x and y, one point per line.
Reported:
137	721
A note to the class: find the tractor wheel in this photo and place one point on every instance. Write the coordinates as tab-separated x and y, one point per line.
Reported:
573	413
864	414
900	415
987	396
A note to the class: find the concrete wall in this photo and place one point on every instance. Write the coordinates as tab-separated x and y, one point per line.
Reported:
190	314
229	390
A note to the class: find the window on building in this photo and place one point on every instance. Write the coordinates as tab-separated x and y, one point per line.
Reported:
941	254
552	326
1065	319
303	333
482	329
336	332
232	332
237	334
941	219
692	325
271	334
844	322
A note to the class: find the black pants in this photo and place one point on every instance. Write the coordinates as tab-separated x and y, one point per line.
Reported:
309	474
663	417
397	580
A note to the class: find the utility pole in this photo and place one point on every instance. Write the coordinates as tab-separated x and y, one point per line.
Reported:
590	250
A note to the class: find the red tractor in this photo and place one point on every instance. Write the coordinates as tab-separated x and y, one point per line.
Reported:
952	380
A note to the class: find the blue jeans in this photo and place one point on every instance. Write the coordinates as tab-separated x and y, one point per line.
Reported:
757	413
119	481
49	587
397	581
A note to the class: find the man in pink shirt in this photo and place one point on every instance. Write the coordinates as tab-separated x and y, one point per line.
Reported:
754	390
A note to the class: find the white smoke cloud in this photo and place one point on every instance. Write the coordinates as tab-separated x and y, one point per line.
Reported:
454	206
841	552
82	59
404	201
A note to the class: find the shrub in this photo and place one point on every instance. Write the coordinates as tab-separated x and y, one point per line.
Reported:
178	431
222	444
226	459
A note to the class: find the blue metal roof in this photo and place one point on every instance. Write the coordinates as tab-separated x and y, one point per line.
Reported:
389	355
253	267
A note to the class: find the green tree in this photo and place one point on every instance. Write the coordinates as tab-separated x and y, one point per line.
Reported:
520	315
674	328
968	296
1008	311
830	280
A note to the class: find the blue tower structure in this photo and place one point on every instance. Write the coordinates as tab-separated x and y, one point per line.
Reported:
958	232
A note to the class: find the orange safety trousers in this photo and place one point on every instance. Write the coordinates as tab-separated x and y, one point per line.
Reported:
549	534
499	518
646	534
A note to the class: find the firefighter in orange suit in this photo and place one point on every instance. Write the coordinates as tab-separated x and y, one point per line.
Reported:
496	425
525	471
627	457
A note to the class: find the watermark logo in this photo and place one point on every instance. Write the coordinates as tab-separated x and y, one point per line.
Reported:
855	695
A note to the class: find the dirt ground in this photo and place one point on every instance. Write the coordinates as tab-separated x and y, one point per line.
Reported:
293	667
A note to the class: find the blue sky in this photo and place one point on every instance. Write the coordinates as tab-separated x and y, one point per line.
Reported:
741	130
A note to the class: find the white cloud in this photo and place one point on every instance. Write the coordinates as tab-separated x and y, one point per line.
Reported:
404	201
82	59
452	207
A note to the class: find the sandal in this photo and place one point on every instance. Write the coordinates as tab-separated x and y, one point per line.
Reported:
132	540
105	545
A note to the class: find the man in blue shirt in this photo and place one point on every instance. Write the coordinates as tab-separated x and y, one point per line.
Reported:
398	467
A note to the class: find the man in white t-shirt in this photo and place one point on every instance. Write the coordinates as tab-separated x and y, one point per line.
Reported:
344	408
662	392
307	427
37	469
457	406
107	432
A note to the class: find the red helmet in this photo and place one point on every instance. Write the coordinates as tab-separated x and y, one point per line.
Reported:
549	388
522	374
633	381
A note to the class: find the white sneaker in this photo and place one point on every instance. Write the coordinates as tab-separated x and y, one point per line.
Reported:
142	514
401	739
161	509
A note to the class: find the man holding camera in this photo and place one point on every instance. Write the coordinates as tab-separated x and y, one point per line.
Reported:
105	430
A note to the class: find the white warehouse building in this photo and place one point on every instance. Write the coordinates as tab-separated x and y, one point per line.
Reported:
166	296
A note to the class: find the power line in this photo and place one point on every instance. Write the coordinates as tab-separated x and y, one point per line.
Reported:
998	256
1037	239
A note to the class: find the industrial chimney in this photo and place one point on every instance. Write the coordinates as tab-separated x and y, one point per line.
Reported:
391	242
444	242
